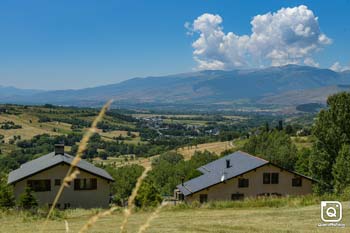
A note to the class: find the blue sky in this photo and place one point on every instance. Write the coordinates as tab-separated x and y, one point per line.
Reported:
75	44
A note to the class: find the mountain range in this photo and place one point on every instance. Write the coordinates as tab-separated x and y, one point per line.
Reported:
281	86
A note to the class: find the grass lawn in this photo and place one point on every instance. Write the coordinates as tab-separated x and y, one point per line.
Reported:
227	220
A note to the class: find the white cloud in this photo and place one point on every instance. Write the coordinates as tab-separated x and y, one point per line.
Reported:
288	36
338	67
311	62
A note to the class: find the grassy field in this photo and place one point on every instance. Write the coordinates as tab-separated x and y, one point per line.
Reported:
28	117
187	152
28	129
227	220
215	147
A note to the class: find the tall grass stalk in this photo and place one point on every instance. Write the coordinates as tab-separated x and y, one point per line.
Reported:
127	211
66	226
154	215
72	172
96	217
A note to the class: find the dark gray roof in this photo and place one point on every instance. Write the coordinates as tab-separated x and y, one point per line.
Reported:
216	171
37	165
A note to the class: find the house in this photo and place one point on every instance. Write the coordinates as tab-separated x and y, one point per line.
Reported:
44	175
241	175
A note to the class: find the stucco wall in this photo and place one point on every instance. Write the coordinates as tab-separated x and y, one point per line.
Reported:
76	198
223	191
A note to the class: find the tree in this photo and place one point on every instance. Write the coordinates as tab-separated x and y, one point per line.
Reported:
147	195
267	127
27	199
275	146
332	131
7	199
280	125
125	179
341	170
303	161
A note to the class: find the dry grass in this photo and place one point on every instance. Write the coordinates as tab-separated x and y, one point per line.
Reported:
151	217
109	136
116	133
215	147
187	152
28	130
92	221
247	220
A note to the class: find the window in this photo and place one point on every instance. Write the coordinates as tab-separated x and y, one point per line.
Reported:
237	196
203	198
297	182
270	178
266	178
39	185
243	183
274	178
85	184
57	182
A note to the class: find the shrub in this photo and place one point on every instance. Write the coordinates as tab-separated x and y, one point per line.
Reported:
147	195
7	199
27	200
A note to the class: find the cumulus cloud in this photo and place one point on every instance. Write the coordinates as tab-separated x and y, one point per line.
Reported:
338	67
288	36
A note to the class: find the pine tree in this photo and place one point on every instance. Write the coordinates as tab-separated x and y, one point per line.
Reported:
7	200
27	199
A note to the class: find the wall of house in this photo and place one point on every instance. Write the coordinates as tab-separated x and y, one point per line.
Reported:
223	191
76	198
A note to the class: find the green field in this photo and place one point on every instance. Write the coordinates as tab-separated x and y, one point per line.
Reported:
226	220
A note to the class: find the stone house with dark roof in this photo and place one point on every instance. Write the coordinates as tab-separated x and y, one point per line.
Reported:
240	175
44	175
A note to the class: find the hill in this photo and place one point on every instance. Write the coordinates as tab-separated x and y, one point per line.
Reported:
286	85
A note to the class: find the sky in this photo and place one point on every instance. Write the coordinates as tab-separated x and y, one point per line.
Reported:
77	44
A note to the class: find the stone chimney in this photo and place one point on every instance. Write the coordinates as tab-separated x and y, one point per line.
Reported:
59	149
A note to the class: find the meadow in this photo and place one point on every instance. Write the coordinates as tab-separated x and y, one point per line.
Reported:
275	219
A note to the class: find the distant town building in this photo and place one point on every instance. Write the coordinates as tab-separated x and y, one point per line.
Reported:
44	175
241	175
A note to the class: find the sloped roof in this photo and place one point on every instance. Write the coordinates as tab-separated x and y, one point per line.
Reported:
216	171
50	160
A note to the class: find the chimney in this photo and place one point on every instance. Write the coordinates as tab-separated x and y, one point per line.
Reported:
59	149
182	180
228	163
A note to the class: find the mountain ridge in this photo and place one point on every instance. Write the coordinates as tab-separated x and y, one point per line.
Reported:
202	87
